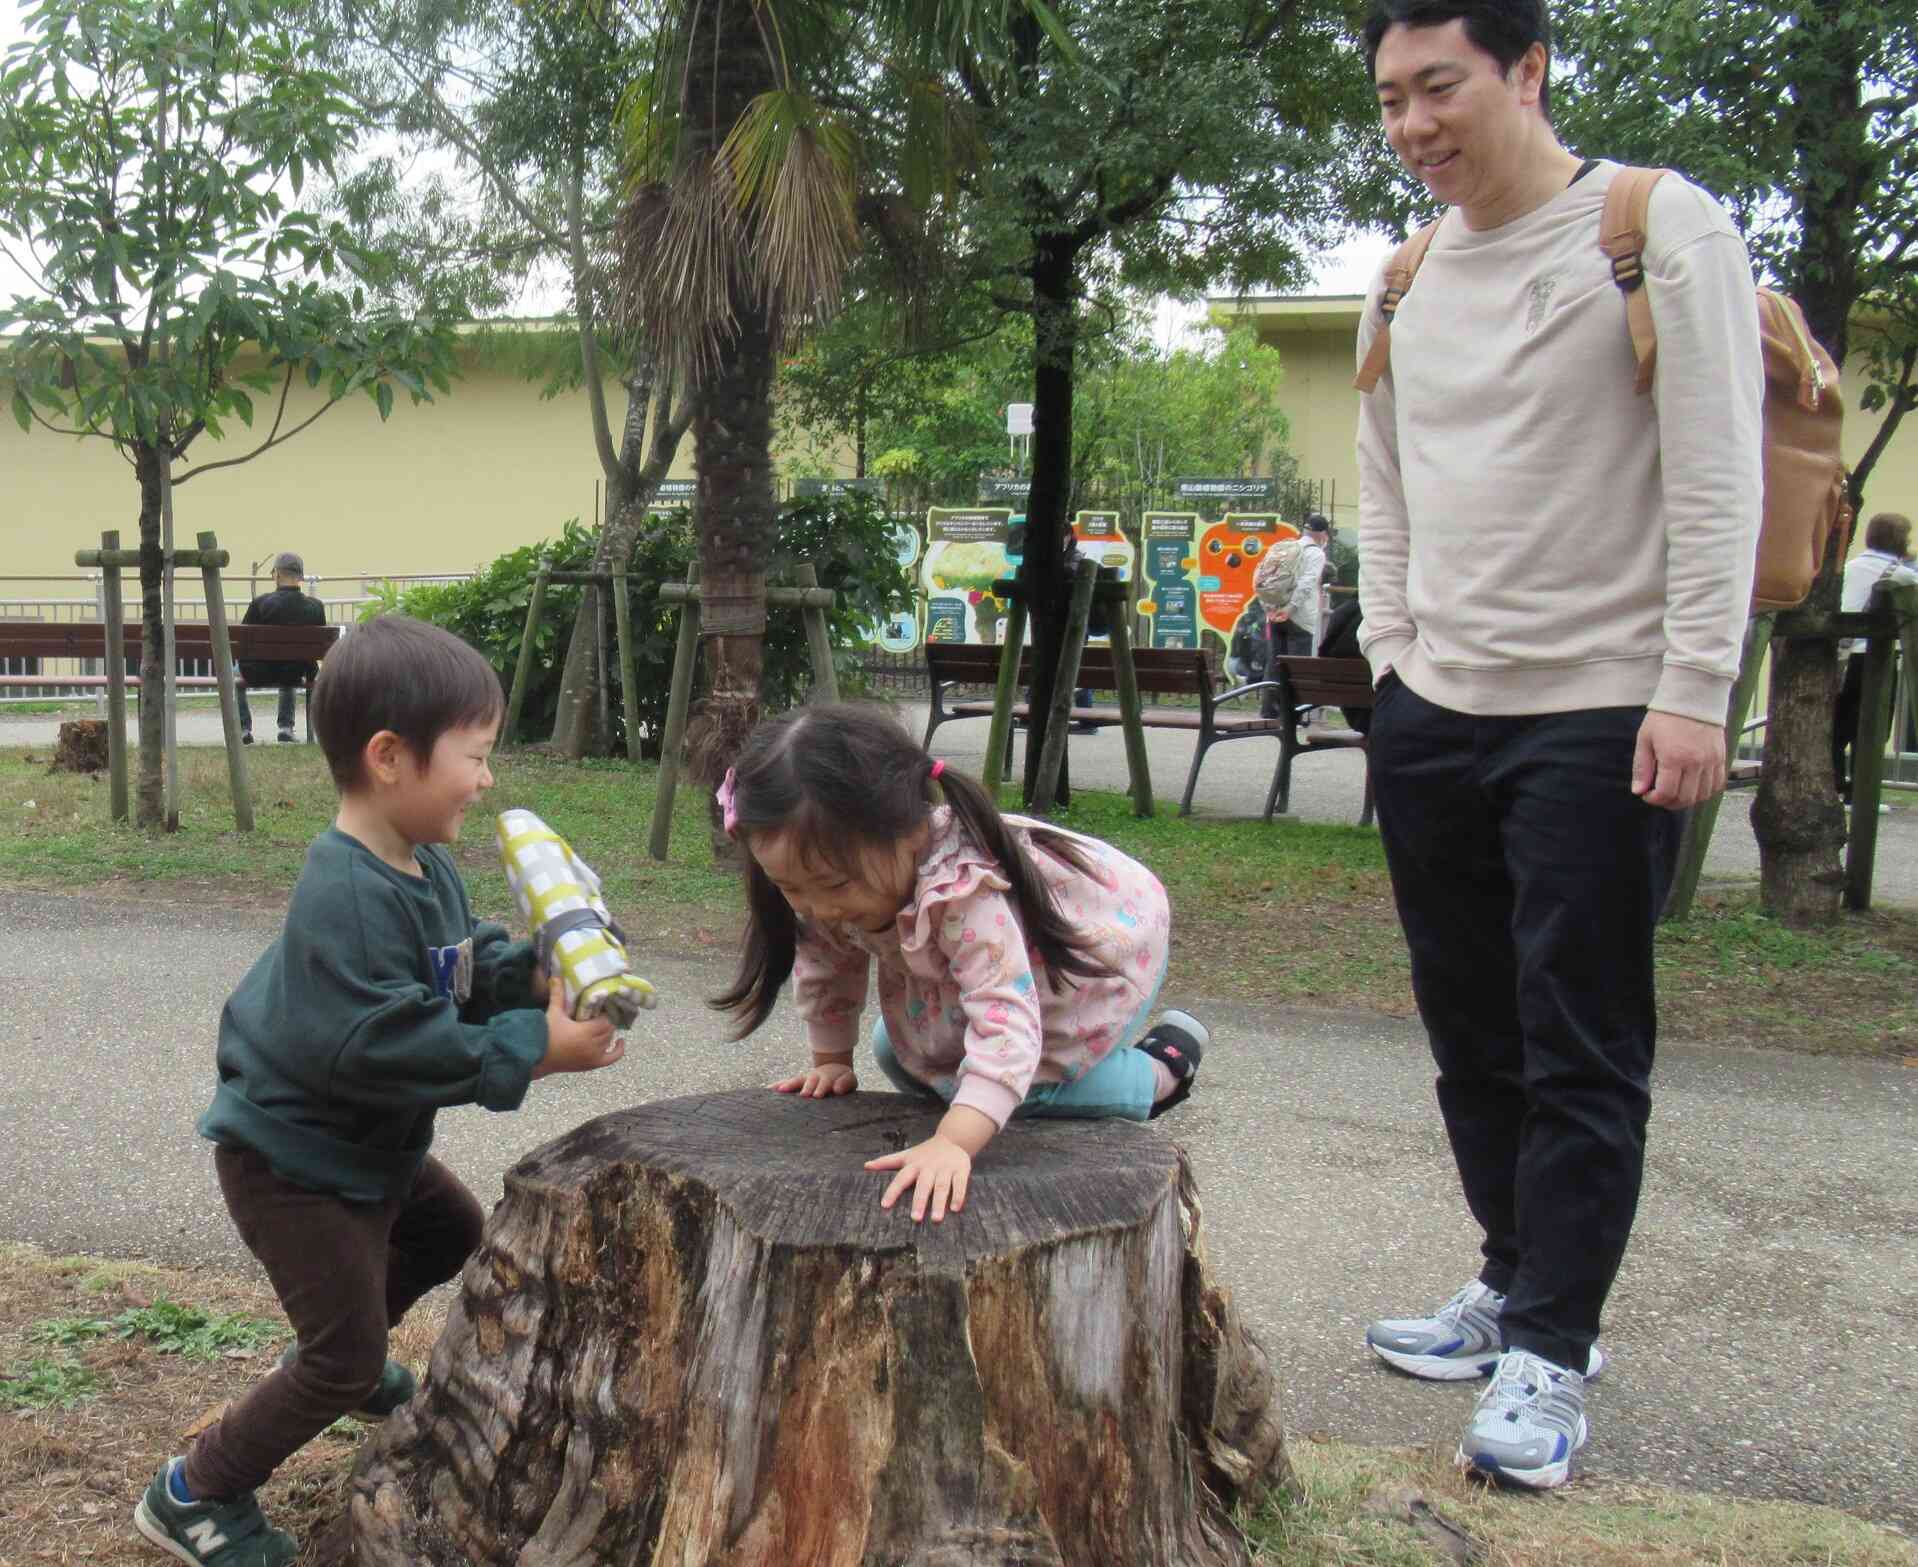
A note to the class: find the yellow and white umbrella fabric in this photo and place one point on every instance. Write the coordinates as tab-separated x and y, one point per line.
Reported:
577	938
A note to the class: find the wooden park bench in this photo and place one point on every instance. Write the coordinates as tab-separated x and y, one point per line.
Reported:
192	640
1167	671
1305	685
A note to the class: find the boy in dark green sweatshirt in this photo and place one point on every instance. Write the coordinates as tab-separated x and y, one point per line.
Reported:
381	1001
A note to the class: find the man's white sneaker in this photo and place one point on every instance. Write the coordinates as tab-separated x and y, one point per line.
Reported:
1527	1424
1458	1343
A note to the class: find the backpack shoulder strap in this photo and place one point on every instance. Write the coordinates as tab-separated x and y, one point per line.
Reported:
1621	235
1399	272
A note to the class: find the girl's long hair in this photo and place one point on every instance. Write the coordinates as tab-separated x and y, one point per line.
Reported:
849	783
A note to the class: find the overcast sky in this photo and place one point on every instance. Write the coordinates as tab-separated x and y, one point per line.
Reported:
1345	270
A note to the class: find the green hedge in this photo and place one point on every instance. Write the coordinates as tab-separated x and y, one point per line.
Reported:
847	538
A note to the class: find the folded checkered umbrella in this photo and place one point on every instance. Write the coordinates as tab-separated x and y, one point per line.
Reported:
577	938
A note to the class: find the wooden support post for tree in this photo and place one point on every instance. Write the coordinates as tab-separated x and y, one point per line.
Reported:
628	669
818	640
523	670
1052	755
114	609
678	700
1005	693
1131	714
223	673
1700	822
692	1335
1868	760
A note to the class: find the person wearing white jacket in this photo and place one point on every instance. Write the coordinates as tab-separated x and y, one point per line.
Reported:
1886	557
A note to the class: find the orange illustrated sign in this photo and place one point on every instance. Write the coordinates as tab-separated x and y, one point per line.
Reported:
1229	552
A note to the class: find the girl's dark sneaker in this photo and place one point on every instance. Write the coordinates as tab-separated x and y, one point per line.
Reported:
210	1533
1176	1042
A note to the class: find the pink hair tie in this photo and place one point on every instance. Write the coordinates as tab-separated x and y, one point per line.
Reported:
938	767
728	811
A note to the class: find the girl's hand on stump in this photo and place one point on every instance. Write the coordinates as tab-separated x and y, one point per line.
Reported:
573	1046
938	1171
824	1081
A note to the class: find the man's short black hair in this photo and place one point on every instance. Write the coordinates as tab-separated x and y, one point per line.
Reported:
401	674
1504	29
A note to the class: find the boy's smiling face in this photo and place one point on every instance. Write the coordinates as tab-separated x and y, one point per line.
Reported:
427	804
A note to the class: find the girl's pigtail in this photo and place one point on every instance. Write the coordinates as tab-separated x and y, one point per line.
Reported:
766	953
1058	943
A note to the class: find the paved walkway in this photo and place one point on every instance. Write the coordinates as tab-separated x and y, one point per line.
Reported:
1764	1331
1326	787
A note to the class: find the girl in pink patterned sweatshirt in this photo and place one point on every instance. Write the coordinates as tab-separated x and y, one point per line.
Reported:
1018	962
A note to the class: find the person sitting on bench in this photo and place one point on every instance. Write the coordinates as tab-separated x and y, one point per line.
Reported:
287	605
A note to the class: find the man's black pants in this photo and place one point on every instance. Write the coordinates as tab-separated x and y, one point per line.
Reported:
1529	879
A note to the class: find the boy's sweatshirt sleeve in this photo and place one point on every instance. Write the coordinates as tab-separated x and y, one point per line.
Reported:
1385	534
829	990
395	1037
502	973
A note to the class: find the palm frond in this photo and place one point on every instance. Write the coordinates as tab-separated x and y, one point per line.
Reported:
793	169
681	246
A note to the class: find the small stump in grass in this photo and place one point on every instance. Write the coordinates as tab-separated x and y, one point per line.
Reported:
81	747
691	1335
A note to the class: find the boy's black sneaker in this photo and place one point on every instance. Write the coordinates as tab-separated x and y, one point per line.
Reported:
211	1533
396	1386
1177	1041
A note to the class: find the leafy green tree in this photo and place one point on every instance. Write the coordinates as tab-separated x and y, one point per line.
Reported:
1804	119
149	158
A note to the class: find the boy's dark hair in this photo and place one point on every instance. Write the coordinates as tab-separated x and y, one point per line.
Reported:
401	674
1889	533
1504	29
851	783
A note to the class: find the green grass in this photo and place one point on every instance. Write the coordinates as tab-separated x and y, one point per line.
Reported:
1346	1508
1292	913
166	1327
46	1383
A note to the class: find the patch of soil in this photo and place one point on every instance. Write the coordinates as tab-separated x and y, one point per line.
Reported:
73	1476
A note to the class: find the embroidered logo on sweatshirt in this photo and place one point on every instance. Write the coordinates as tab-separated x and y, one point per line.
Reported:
453	970
1540	302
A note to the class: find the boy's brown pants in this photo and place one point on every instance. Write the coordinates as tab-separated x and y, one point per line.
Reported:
346	1273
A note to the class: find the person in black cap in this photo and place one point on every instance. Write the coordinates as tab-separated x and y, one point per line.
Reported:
287	605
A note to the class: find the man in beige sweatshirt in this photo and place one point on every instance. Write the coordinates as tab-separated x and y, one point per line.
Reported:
1554	573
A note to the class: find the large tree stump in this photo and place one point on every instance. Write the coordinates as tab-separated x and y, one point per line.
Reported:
692	1336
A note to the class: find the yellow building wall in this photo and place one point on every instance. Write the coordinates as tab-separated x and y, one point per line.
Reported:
1315	340
440	487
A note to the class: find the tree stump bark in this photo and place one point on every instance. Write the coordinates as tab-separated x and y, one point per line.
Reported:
691	1335
81	747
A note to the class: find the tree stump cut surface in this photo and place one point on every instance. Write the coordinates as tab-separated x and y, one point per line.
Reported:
692	1336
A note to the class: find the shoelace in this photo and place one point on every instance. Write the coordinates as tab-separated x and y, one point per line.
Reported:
1458	1305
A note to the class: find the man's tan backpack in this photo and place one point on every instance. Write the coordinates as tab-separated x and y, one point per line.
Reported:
1805	490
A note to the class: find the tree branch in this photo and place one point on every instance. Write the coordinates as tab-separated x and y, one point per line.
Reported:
588	345
1902	399
273	437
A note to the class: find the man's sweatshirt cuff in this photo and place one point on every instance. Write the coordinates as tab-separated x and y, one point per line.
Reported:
993	1100
1692	693
506	1072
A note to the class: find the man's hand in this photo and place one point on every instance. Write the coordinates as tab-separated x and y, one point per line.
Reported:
1679	762
939	1169
576	1047
822	1082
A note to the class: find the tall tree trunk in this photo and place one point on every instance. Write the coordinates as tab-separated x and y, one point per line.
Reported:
149	801
738	523
1055	322
736	513
1798	818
